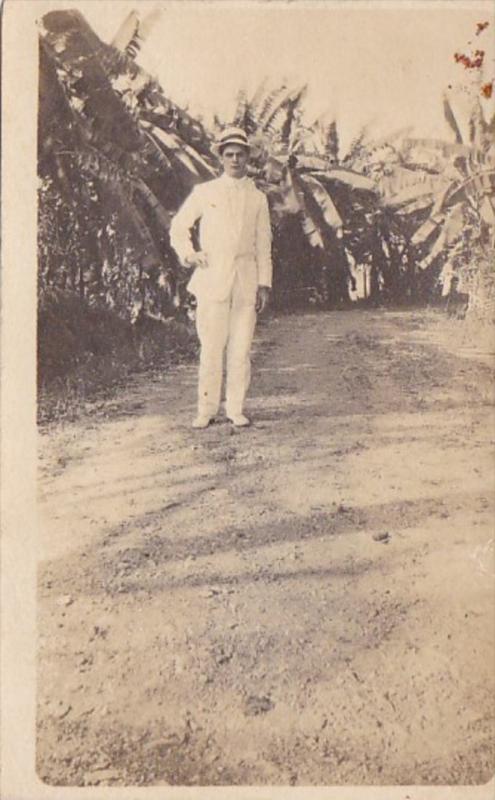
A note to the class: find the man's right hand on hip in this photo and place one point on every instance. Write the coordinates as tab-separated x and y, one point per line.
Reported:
197	260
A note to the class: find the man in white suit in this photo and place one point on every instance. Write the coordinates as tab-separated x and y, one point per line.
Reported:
232	276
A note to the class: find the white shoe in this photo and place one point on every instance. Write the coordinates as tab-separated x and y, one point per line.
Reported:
201	421
239	420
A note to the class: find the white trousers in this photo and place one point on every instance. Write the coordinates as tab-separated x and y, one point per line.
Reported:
227	324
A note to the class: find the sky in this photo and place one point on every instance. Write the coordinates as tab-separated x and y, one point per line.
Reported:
384	65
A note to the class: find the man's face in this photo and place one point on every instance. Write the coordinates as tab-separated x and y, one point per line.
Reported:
234	160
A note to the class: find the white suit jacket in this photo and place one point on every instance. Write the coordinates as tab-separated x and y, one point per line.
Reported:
234	234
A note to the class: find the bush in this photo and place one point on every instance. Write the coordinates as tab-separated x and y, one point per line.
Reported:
85	350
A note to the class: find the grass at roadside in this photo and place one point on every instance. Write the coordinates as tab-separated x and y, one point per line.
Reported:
85	353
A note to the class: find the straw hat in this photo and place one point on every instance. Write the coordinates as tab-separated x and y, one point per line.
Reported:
231	135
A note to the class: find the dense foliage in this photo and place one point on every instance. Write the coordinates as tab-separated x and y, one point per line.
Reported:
117	158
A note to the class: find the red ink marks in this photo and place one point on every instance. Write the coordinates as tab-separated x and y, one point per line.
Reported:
468	62
487	90
480	27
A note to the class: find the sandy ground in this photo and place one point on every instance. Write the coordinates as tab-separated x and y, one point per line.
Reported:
308	601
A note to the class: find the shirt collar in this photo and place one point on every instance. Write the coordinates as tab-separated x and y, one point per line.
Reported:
237	183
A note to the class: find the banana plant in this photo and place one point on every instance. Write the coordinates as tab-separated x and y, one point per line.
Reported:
298	167
112	147
455	187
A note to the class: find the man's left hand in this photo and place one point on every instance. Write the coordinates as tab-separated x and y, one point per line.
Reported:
262	298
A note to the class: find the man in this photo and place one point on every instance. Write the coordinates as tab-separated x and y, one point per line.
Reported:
232	276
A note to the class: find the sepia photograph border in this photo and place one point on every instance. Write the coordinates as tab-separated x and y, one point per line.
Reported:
19	444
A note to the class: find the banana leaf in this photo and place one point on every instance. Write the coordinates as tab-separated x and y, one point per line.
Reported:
274	169
481	184
289	195
126	31
453	226
156	153
174	146
429	226
316	207
205	169
441	200
451	119
131	219
311	162
330	214
313	234
134	31
81	63
487	211
420	204
451	230
411	194
163	216
353	179
94	162
311	225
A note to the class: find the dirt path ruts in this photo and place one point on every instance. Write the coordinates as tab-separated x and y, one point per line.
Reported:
304	602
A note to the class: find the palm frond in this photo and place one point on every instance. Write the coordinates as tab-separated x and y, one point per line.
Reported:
241	103
271	101
290	107
356	145
257	97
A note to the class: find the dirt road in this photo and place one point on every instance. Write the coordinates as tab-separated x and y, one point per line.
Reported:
308	601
